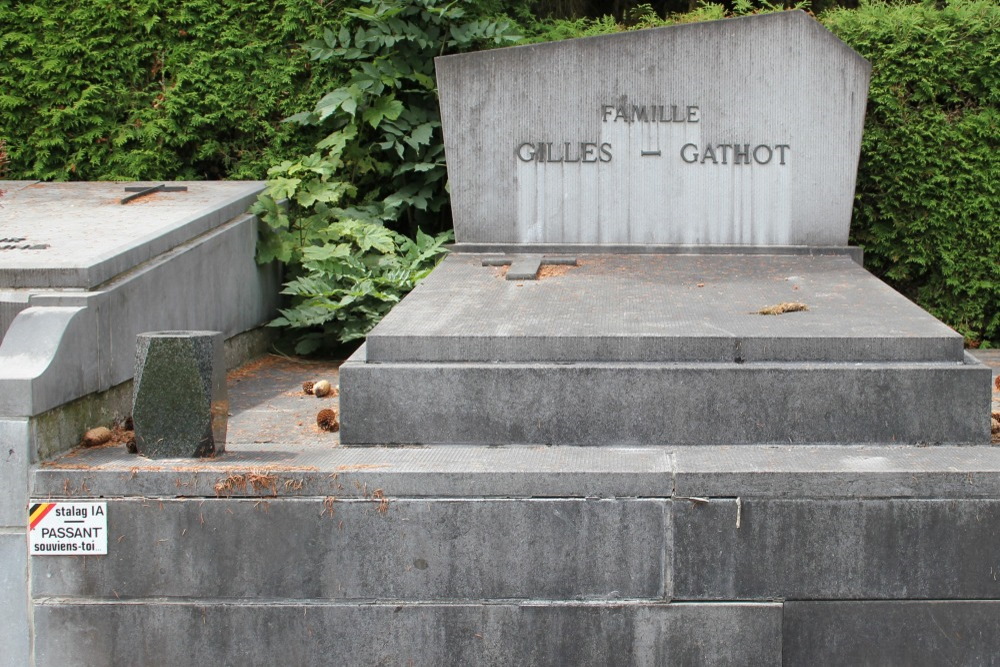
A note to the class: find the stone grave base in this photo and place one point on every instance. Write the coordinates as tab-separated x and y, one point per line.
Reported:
291	548
662	349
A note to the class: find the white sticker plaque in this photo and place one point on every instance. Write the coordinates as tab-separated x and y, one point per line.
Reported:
68	529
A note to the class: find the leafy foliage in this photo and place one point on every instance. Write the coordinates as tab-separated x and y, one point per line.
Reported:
382	163
928	196
351	281
143	89
385	147
3	162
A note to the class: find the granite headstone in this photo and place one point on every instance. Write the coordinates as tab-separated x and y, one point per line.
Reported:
738	132
690	180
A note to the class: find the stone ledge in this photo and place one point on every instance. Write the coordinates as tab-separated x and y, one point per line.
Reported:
770	471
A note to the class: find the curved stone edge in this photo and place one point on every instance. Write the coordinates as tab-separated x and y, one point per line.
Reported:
66	345
40	359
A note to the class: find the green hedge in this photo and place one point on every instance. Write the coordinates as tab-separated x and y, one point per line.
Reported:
927	208
142	89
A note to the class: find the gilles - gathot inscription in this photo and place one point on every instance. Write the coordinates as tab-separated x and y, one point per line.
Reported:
592	151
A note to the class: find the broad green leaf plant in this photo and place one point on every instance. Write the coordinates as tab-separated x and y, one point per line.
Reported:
336	217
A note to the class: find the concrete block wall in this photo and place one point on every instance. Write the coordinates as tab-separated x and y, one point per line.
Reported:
390	556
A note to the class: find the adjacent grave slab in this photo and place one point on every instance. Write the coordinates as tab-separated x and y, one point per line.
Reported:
745	131
78	235
660	308
80	276
65	342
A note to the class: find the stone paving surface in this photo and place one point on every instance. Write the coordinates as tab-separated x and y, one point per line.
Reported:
272	425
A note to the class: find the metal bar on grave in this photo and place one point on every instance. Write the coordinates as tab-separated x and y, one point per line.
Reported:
143	190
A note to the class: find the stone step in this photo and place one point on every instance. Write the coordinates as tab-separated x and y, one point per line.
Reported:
620	403
284	470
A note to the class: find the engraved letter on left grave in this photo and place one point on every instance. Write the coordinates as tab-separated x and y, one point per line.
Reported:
179	404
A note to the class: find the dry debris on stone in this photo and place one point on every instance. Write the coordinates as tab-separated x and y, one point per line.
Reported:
327	420
253	482
307	387
995	426
996	383
123	436
121	433
321	388
96	436
553	270
781	308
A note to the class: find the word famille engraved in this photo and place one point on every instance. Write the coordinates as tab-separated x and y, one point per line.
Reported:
656	113
690	153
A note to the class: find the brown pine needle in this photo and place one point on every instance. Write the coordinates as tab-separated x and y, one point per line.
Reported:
781	308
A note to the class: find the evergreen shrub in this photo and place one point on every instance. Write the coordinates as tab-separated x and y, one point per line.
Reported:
927	208
143	89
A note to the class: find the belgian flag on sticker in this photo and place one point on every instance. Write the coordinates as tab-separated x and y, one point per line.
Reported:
37	513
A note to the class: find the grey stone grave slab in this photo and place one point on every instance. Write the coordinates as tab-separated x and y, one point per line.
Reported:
78	235
738	132
661	308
